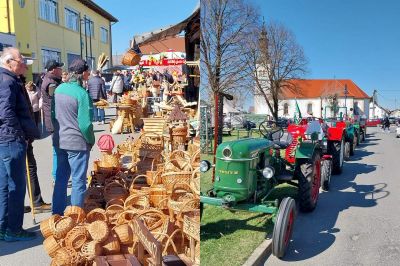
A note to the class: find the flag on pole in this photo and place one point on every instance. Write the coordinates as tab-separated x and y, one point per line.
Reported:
297	115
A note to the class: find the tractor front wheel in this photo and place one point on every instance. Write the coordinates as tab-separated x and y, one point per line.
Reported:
309	176
326	173
283	227
353	144
347	150
336	149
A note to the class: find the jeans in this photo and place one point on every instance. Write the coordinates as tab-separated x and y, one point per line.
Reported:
12	185
98	114
74	164
36	193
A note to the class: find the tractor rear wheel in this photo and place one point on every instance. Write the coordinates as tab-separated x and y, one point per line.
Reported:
326	173
283	227
336	149
309	175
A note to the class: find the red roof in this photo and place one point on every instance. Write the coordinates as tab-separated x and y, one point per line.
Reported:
177	44
315	88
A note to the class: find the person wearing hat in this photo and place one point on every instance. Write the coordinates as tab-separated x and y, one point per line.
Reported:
73	136
17	128
50	82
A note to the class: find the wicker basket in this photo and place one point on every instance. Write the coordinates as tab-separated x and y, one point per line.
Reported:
131	58
158	196
51	246
76	213
111	244
153	177
124	233
98	230
177	165
94	194
170	178
127	216
195	160
195	181
154	220
76	237
67	256
136	186
109	160
182	199
91	249
47	226
62	226
115	202
113	213
97	214
137	202
115	190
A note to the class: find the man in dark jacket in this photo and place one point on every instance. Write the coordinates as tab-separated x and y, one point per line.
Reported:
16	129
97	91
50	82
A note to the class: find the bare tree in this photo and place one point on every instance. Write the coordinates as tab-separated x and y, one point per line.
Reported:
274	59
224	23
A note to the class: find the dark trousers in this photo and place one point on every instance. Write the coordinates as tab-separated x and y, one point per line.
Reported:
114	99
12	185
37	117
36	193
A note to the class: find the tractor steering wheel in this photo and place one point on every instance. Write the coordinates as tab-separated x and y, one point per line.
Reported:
269	128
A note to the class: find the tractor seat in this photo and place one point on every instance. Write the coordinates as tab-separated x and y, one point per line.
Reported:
279	144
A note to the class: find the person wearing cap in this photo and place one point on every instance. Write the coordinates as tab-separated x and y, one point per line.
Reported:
17	128
97	91
50	82
73	137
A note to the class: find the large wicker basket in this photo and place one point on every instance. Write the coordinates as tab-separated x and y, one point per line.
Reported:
76	213
131	58
98	231
76	237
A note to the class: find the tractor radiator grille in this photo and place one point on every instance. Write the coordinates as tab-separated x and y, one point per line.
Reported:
290	151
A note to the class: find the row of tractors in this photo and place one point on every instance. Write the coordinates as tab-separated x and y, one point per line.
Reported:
305	155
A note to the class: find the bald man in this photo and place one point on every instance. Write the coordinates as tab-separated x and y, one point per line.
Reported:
16	128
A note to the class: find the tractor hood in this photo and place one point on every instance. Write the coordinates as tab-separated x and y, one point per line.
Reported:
242	148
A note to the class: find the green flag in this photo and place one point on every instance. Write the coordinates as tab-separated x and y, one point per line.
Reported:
297	114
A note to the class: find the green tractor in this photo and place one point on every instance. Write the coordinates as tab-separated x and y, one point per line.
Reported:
248	170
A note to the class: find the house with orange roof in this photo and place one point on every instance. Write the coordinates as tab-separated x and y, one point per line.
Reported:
312	96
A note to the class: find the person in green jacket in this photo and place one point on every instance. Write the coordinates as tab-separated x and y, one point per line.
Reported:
73	137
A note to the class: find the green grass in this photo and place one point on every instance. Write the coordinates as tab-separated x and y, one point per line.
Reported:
229	238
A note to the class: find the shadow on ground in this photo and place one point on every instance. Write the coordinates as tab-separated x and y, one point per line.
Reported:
7	248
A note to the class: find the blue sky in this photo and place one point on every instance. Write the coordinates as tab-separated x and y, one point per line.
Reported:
136	17
357	39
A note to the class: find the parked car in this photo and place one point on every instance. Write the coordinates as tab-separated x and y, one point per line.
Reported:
393	120
374	122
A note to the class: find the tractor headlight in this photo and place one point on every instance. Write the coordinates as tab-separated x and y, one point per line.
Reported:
227	152
205	166
268	172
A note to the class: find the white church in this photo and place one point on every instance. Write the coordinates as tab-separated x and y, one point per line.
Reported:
312	98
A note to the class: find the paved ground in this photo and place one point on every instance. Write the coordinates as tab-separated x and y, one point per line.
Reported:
31	253
358	221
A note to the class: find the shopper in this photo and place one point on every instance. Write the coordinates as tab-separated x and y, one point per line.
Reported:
16	129
97	92
34	97
51	80
117	85
73	136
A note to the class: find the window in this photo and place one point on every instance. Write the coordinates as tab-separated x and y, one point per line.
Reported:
71	19
104	35
48	10
49	55
89	27
72	57
286	109
91	62
309	108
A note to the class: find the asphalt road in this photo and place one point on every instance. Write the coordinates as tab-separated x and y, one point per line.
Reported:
358	221
32	253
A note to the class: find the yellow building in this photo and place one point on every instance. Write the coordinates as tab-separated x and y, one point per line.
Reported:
56	29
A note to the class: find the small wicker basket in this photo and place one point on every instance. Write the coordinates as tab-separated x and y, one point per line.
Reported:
91	249
76	213
158	196
113	212
98	231
111	245
131	58
62	227
124	233
97	214
137	202
67	256
47	225
51	246
76	237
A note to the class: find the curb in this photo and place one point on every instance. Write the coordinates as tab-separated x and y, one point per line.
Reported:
261	253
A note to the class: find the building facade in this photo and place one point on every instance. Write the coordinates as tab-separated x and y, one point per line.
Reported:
56	29
313	96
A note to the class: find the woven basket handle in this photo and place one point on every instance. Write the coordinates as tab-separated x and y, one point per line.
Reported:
134	179
158	173
170	241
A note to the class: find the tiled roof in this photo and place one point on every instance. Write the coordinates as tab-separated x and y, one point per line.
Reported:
175	43
316	88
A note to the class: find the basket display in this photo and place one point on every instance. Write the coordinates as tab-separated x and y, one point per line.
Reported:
124	233
47	226
97	214
111	244
115	190
76	237
91	249
76	213
62	226
98	231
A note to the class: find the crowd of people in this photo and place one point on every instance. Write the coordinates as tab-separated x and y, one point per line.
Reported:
67	113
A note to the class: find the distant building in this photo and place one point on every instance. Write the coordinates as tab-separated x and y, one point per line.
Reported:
56	29
377	111
311	96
